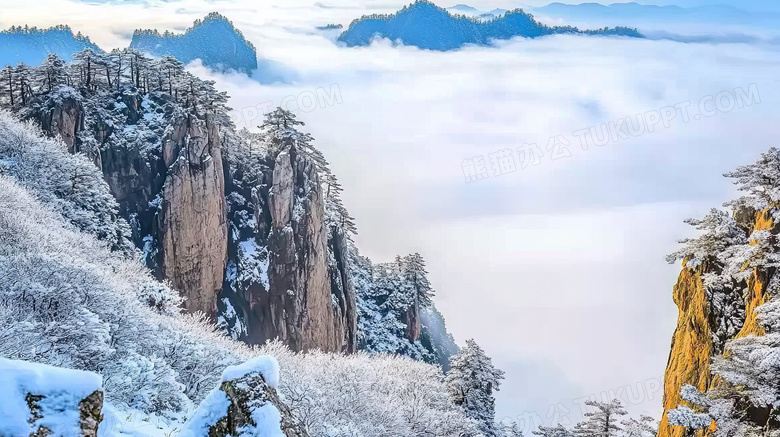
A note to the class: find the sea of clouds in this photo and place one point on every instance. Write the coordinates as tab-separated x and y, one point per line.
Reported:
557	269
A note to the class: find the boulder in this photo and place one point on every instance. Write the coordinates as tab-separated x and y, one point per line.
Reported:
245	403
43	401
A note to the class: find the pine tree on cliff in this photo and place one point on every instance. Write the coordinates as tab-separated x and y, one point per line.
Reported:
603	421
139	65
738	249
414	271
94	69
339	219
8	84
118	65
51	73
170	68
280	129
84	63
708	408
471	382
22	72
761	182
105	63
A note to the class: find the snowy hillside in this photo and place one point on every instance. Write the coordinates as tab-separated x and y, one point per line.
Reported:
68	300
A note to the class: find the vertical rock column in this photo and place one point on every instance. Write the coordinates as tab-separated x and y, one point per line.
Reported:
301	305
65	120
193	223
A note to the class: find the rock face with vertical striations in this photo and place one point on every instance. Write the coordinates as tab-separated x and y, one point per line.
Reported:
192	221
299	296
281	272
63	116
709	317
248	228
412	321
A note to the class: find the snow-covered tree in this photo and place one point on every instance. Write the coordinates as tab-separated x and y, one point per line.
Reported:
472	380
51	73
553	431
85	65
368	395
761	181
70	184
720	232
22	72
170	69
645	426
708	408
510	429
8	84
602	421
414	271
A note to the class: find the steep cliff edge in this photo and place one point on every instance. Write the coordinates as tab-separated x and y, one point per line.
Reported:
727	273
689	358
299	280
192	220
261	251
288	274
248	227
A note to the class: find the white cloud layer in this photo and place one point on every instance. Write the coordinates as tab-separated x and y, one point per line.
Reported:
556	269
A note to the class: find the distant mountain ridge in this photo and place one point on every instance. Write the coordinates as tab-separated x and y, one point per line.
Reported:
462	8
427	26
31	45
214	40
719	12
470	11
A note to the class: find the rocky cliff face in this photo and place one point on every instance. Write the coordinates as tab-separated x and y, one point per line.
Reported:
192	221
259	256
288	276
703	326
64	117
412	321
299	282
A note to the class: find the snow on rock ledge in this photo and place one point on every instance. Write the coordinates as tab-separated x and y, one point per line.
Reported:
265	365
245	405
41	400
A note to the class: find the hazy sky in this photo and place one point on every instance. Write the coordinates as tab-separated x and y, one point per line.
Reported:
557	269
